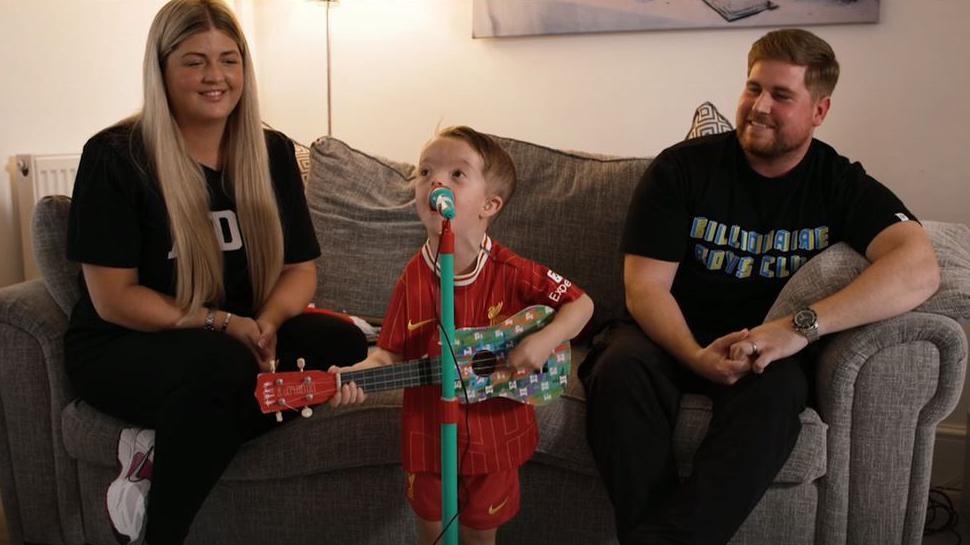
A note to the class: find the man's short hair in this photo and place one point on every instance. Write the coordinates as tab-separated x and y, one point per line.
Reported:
497	166
802	48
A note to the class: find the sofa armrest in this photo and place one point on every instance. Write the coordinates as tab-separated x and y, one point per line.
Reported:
882	389
37	477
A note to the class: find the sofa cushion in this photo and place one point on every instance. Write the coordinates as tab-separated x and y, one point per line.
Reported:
363	211
568	213
952	244
49	231
834	268
332	440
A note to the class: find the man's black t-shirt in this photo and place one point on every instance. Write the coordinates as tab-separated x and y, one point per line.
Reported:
118	219
738	236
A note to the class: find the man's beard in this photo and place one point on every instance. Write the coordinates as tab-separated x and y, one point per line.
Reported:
778	146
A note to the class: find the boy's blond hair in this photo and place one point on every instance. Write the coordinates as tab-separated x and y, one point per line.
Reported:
497	167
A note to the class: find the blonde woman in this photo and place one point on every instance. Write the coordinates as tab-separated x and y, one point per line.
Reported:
197	251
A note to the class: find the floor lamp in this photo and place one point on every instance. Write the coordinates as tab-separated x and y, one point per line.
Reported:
326	6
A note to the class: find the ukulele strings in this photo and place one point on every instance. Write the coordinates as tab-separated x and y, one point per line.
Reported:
416	373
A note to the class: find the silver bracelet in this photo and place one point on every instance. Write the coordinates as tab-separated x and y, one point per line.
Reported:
225	323
210	320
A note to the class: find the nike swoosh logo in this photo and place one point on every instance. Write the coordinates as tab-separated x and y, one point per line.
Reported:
412	327
495	509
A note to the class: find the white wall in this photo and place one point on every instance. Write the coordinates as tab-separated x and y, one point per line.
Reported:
402	67
69	68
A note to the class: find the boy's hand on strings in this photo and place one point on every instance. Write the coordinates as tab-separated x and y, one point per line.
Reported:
531	354
347	394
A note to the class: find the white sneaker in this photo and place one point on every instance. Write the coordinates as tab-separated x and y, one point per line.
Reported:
128	493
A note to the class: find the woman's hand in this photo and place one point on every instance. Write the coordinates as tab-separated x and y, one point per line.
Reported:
266	343
246	331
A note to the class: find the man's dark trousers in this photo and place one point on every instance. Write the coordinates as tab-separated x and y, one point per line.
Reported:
633	391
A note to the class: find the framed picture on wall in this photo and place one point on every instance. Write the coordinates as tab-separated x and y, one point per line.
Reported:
498	18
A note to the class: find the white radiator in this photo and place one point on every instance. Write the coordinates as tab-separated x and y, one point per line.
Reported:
39	176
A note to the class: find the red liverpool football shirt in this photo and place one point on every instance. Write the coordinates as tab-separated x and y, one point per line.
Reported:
500	433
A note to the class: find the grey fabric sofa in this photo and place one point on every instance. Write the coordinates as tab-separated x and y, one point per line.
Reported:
859	473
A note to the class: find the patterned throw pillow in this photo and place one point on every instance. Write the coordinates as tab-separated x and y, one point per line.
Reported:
302	160
707	120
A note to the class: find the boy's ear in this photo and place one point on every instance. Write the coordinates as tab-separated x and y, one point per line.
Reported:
492	206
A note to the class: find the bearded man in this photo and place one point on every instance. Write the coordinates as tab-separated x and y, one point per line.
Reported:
715	229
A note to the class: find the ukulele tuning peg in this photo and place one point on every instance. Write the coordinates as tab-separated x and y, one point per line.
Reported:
272	366
300	363
279	416
306	412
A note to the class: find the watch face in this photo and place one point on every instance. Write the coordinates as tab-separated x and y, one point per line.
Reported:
805	318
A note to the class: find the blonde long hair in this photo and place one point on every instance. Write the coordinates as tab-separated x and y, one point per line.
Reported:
199	263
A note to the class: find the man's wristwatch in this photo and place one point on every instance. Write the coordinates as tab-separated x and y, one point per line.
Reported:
805	322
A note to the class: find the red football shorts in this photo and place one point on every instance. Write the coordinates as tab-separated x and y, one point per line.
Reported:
484	501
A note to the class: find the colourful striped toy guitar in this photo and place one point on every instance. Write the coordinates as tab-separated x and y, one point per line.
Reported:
479	351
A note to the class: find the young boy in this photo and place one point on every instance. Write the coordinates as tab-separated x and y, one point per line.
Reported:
491	284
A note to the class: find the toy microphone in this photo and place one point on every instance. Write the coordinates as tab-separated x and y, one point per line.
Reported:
443	201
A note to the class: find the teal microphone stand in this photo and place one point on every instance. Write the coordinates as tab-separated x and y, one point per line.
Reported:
449	377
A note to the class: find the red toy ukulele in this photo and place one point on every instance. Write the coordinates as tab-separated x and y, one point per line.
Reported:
481	351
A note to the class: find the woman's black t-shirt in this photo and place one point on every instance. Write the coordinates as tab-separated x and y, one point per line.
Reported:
739	236
118	219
